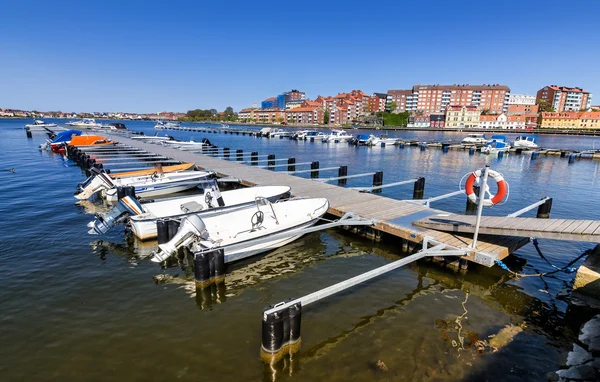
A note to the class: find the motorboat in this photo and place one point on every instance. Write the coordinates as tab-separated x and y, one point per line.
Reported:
280	133
245	232
374	140
157	169
39	123
114	126
337	136
145	186
90	140
475	139
153	138
497	144
314	136
143	224
86	122
224	126
56	142
525	142
300	134
361	139
185	145
166	125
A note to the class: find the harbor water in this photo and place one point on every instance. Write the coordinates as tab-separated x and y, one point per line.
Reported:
83	307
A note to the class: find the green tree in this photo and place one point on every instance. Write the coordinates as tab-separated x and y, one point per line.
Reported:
545	106
326	117
391	106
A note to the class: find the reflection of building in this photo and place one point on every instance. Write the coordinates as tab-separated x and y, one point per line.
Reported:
562	98
462	116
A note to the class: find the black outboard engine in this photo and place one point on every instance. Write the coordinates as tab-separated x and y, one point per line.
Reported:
104	222
206	141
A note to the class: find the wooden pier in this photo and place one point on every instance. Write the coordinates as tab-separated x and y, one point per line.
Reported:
393	217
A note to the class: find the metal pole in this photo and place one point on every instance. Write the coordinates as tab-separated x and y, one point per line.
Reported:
480	205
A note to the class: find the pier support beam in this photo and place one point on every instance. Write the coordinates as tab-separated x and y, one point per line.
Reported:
377	181
314	166
239	154
291	164
419	188
543	211
254	158
342	171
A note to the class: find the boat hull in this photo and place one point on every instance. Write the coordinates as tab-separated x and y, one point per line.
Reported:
165	169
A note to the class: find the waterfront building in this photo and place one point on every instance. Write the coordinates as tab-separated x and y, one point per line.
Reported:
246	114
377	102
269	103
589	120
493	121
462	116
520	99
559	120
420	121
305	115
436	98
437	121
562	98
522	109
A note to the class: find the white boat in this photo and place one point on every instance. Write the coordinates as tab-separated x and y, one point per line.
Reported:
143	225
153	138
337	136
40	123
145	186
525	142
224	126
184	145
166	125
374	140
314	136
245	232
86	122
300	134
497	144
278	133
475	139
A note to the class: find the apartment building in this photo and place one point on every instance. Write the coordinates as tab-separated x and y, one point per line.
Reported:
522	109
570	120
377	102
462	116
305	114
562	98
520	99
402	99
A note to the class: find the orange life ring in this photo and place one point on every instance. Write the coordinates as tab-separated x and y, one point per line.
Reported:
494	199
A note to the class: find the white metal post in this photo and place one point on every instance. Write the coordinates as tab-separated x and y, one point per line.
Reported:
482	191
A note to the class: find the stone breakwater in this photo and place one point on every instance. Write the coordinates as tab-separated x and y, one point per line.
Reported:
583	362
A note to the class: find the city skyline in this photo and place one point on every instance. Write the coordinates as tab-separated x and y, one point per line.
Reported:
140	57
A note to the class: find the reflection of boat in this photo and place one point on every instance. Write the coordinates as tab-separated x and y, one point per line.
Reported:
86	122
497	144
145	186
238	233
525	141
40	123
143	225
475	139
337	136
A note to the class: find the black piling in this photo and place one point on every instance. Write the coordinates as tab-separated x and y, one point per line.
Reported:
173	227
423	147
314	166
342	171
162	231
124	191
543	211
534	155
445	149
209	268
239	154
291	164
471	208
28	133
378	180
419	188
254	158
271	160
472	151
281	333
500	154
226	152
572	158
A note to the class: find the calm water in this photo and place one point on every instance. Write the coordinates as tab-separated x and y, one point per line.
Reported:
83	307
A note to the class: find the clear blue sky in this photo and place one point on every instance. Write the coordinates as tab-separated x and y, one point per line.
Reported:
146	56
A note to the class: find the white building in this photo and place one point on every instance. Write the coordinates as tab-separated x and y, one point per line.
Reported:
520	99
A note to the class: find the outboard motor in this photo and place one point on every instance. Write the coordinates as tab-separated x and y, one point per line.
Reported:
206	141
94	184
104	222
190	227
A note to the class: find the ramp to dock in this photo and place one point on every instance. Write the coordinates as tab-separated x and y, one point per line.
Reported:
561	229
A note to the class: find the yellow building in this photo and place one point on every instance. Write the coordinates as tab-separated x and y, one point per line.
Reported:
462	116
589	120
564	120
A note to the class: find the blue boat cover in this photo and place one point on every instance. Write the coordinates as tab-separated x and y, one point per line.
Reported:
65	136
362	136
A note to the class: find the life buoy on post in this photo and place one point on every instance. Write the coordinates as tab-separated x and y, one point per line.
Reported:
493	199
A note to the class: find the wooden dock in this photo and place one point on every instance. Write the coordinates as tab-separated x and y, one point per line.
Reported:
499	236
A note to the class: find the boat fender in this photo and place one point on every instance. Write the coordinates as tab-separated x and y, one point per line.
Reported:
493	199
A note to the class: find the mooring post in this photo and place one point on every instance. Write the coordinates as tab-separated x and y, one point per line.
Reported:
500	154
162	231
314	166
239	154
445	149
572	158
281	332
401	145
423	147
534	155
28	133
543	211
271	160
291	164
226	152
480	205
254	158
342	171
377	181
472	151
471	208
419	188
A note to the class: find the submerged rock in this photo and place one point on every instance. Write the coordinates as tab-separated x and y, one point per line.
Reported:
505	336
578	356
381	365
579	373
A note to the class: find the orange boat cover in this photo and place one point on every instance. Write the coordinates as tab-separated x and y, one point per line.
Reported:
89	140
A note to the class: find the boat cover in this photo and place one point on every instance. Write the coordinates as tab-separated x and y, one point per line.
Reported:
65	136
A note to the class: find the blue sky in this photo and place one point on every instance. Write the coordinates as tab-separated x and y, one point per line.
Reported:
147	56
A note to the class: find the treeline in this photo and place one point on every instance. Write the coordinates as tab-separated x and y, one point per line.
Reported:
210	115
394	119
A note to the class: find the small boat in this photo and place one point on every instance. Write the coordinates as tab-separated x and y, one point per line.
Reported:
314	136
245	232
59	140
184	145
114	126
153	138
157	169
525	142
90	140
143	224
40	123
279	133
166	125
361	139
496	144
475	139
145	186
223	126
337	136
300	134
86	122
377	141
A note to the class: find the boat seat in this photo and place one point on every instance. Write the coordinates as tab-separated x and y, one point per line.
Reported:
191	207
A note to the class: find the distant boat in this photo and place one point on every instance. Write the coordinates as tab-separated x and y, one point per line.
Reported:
166	125
301	134
497	144
86	122
153	138
277	133
114	126
40	123
355	127
475	139
525	141
224	126
374	140
314	136
337	136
